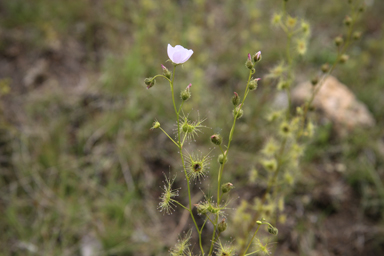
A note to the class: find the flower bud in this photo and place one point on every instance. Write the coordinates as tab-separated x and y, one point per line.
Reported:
222	159
259	222
249	63
155	125
314	80
216	139
238	112
149	82
272	230
348	21
356	35
225	188
325	68
222	226
253	84
339	41
166	72
362	8
257	57
344	58
235	99
186	94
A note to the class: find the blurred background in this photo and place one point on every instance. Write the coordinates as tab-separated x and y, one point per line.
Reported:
80	171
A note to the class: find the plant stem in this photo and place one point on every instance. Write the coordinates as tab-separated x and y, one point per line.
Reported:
182	158
250	242
170	137
221	169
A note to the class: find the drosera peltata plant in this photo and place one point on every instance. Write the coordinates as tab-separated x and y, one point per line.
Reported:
280	157
196	165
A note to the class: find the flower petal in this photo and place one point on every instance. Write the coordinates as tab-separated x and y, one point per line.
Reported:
180	48
178	57
187	55
170	51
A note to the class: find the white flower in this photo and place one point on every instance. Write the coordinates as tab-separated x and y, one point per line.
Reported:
178	54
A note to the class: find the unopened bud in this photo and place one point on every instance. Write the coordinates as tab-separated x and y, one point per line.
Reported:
257	57
259	222
272	230
186	94
253	84
225	188
235	99
155	125
325	68
348	21
238	112
314	80
166	72
339	41
344	58
362	8
222	159
216	139
249	63
356	35
149	82
222	226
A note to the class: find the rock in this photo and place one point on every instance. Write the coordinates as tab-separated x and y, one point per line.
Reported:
337	103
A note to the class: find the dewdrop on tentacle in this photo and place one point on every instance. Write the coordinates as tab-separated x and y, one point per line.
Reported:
182	246
197	166
166	202
189	128
223	250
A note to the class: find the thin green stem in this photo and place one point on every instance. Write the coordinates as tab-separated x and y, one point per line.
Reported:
205	221
185	136
253	237
182	158
170	137
213	235
221	169
180	204
162	77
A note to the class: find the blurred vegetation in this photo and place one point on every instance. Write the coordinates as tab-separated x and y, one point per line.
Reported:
78	161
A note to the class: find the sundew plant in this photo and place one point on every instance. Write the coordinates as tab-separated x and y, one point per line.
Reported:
279	158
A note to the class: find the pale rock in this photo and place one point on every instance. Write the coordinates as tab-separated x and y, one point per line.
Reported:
337	103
